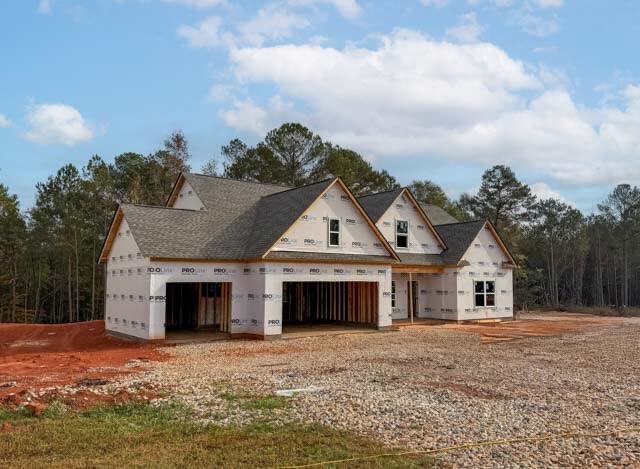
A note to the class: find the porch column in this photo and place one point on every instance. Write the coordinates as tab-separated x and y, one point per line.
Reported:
411	296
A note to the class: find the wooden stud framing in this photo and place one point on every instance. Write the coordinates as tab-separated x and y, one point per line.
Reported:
352	302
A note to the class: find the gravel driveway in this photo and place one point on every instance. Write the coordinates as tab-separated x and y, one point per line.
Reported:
431	387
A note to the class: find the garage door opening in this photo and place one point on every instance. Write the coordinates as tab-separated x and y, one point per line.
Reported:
318	303
198	306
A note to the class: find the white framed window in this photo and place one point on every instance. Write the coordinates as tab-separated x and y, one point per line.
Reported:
393	293
484	292
334	232
402	234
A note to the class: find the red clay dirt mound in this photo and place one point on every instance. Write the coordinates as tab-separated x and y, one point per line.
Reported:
35	356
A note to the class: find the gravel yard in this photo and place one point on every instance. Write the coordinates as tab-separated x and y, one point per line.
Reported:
431	387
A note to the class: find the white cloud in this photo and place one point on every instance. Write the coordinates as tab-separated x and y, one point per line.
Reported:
44	6
201	4
435	3
543	191
496	3
412	96
247	116
467	30
549	3
536	25
207	34
270	23
58	123
4	122
348	8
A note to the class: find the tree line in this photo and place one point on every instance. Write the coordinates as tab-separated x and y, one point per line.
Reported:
49	252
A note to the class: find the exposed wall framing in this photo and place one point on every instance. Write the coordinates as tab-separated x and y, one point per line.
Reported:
198	305
308	302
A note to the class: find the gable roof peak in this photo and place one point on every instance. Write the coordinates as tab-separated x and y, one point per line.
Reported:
225	178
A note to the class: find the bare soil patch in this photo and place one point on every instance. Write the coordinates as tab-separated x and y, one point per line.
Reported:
433	387
546	324
39	356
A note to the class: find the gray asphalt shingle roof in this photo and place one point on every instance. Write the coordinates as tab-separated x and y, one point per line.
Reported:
458	237
243	220
274	214
376	204
437	215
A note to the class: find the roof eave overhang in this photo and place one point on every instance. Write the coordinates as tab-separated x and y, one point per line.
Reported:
111	234
201	260
512	262
177	187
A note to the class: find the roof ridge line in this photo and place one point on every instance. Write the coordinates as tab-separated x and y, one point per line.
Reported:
163	208
299	187
461	222
381	192
238	180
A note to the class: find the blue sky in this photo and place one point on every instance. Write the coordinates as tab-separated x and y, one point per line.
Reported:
427	89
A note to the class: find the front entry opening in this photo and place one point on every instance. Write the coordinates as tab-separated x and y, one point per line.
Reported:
330	302
412	299
203	305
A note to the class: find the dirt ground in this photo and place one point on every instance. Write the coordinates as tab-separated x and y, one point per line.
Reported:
422	387
535	325
39	356
36	356
426	387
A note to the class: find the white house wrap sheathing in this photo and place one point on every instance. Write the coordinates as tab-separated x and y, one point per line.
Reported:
187	198
127	288
421	239
449	295
256	292
310	232
136	287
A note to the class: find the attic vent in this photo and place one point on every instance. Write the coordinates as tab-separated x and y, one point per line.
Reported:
181	195
477	245
492	246
190	192
130	256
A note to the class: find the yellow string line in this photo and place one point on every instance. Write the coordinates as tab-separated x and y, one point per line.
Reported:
470	445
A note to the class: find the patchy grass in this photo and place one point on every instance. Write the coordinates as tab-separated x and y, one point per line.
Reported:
266	403
140	435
